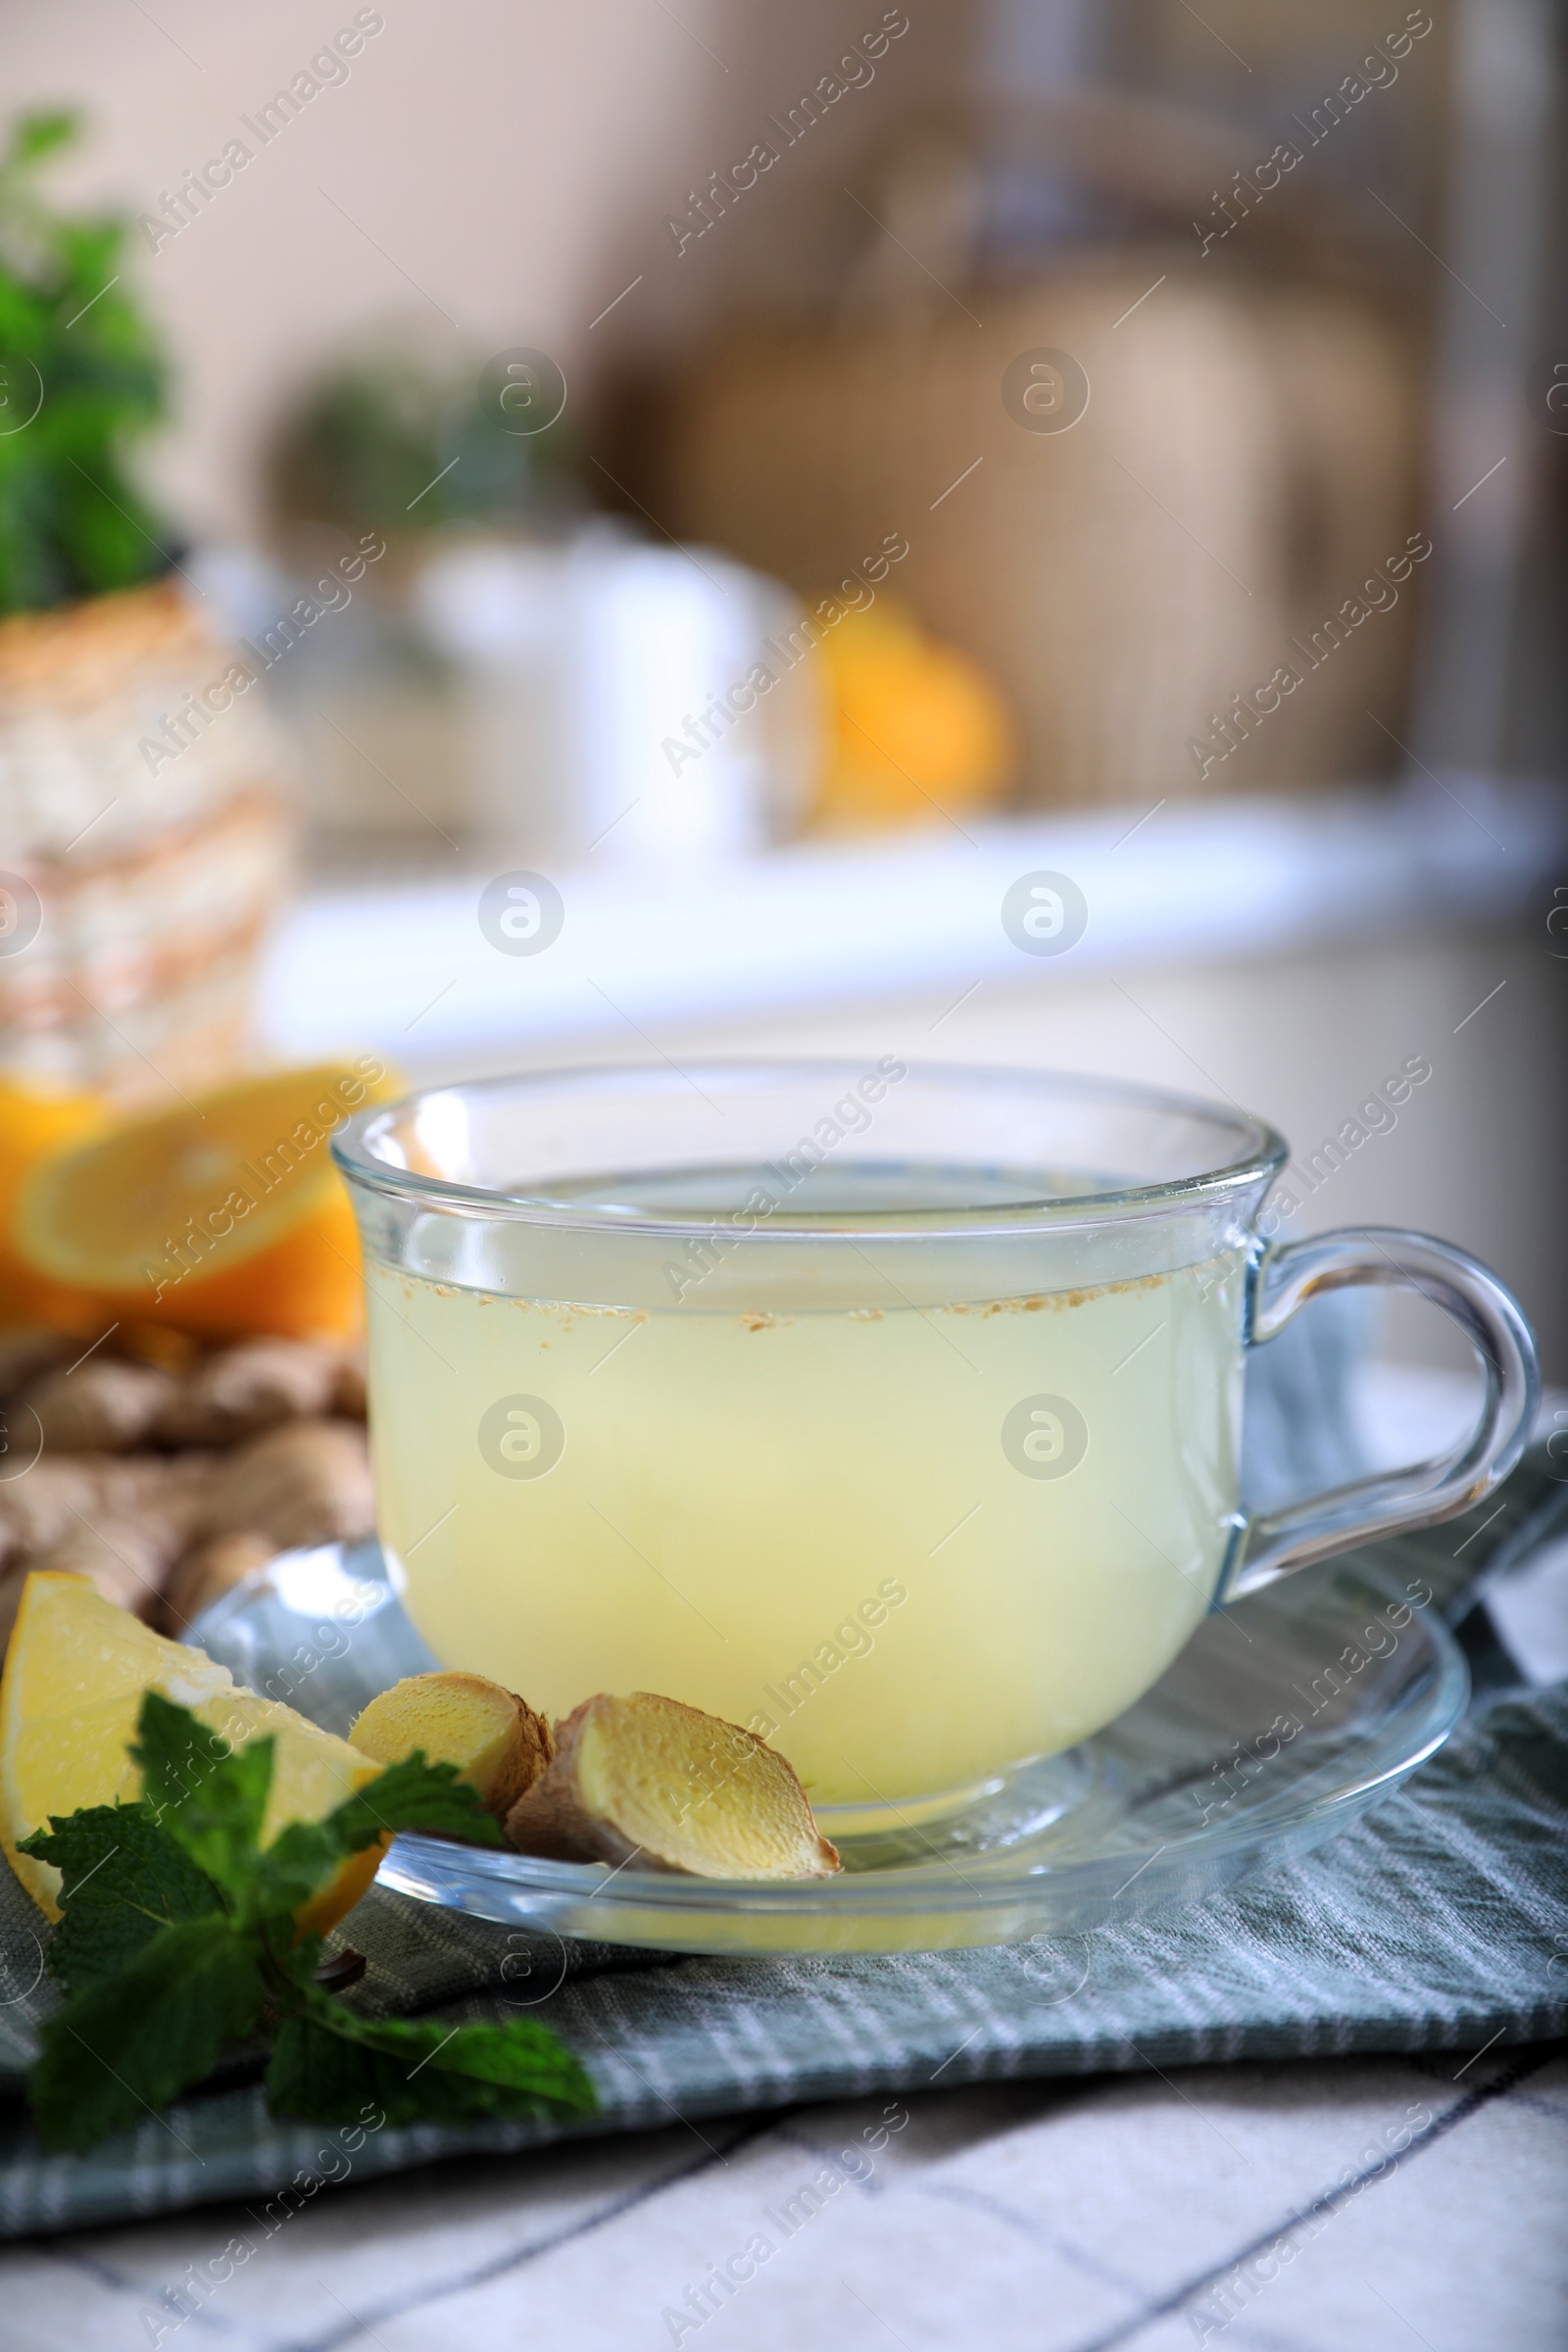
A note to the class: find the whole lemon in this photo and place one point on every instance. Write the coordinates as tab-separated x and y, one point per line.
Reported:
918	730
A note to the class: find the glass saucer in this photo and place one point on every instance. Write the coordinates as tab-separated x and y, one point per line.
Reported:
1283	1719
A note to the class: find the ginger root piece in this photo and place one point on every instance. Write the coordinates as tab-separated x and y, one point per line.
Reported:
497	1741
650	1779
305	1482
348	1389
104	1406
27	1352
57	1496
121	1558
12	1584
209	1571
238	1392
43	1505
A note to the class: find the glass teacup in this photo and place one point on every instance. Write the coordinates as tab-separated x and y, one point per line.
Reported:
892	1412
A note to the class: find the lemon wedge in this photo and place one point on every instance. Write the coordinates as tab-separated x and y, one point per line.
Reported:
71	1691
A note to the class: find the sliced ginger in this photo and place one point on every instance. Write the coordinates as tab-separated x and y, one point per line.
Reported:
648	1779
497	1742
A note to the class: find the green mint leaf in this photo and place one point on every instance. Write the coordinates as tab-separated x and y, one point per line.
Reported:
411	1795
298	1863
160	1973
209	1795
327	2064
523	2058
175	1749
135	2040
322	2078
123	1878
292	1962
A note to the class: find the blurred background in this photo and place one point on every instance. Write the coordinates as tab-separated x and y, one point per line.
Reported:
644	530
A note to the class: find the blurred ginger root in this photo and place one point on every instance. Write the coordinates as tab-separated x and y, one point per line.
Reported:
165	1483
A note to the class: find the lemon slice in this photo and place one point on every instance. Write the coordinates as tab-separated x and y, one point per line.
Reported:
34	1122
225	1216
71	1691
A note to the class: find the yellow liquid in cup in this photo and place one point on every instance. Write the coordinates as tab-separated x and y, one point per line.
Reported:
817	1524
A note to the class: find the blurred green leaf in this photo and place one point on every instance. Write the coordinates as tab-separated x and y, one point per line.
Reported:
394	442
83	376
35	134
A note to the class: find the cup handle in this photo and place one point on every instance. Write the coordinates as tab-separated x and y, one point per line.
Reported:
1275	1541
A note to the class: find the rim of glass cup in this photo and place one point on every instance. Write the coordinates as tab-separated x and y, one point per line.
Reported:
1259	1154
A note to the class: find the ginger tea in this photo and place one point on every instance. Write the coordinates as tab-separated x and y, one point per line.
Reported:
910	1545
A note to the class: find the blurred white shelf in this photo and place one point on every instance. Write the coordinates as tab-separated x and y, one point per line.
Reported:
405	968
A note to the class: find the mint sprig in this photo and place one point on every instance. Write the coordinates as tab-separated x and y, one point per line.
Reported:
178	1937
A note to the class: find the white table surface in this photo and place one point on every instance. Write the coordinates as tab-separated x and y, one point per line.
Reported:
404	965
1054	2215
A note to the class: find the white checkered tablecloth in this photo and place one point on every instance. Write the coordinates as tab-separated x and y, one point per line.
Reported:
1339	2206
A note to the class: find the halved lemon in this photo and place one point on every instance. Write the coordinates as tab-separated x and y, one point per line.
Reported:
225	1216
70	1695
36	1122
